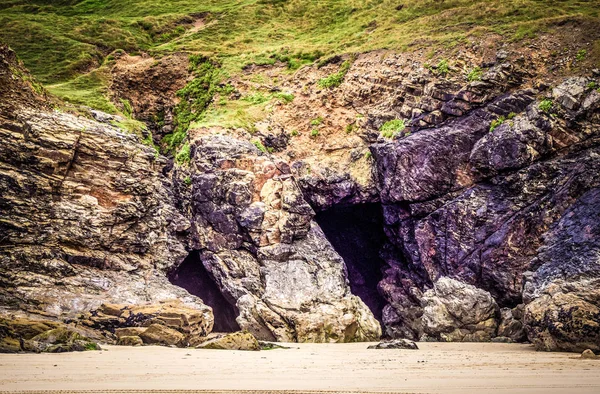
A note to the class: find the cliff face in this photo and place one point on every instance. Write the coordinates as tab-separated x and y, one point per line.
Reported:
86	216
487	233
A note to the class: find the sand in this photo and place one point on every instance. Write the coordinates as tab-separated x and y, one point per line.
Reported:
435	368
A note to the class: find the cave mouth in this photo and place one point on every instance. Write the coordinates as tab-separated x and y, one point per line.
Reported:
193	277
356	233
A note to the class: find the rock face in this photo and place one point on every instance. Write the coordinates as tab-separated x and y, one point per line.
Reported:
563	292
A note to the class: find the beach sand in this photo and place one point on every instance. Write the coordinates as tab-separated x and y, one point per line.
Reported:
435	368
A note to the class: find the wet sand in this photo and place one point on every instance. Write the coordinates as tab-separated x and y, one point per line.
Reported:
435	368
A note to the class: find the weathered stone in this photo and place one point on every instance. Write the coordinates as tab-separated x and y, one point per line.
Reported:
129	331
455	311
157	334
242	340
132	340
511	325
395	344
562	310
588	354
59	340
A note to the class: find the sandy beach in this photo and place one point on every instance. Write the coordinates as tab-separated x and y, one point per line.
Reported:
435	368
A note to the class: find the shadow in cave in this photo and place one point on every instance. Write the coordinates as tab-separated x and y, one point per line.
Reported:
356	233
193	276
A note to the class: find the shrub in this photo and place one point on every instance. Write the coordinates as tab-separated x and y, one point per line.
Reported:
336	79
187	181
511	115
260	146
127	109
294	133
392	128
496	123
592	85
545	105
183	156
314	133
316	121
443	67
349	128
475	74
286	97
581	55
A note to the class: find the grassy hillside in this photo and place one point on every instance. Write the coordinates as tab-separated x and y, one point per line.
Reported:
60	39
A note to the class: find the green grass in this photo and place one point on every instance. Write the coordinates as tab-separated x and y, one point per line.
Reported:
183	155
546	105
88	89
59	40
68	44
496	122
334	80
392	128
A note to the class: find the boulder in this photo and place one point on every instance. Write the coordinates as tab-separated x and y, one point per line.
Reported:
59	340
132	340
395	344
241	340
132	320
455	311
158	334
588	354
511	325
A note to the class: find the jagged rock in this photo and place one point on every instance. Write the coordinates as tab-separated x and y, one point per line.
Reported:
455	311
395	344
242	340
157	334
87	217
132	340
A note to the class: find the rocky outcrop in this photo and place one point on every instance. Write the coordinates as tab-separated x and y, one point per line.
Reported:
563	293
266	254
474	205
489	199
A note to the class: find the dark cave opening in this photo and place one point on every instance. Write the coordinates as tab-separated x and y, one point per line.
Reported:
193	276
356	233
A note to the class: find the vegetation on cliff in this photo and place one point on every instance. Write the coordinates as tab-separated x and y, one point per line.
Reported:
60	40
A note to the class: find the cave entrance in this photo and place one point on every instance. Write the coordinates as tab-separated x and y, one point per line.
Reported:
193	276
356	233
